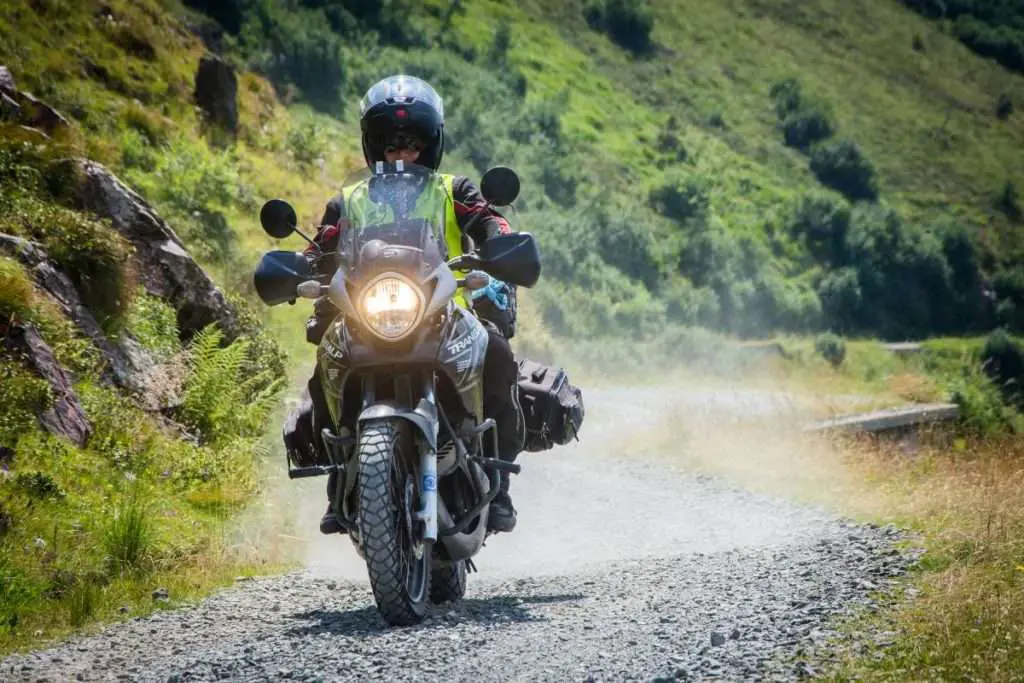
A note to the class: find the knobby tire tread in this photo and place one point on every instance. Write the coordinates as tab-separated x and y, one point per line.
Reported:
380	533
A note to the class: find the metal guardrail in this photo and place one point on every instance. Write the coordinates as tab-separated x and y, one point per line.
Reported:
889	420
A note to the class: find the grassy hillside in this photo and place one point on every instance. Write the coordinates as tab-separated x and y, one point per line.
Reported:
749	166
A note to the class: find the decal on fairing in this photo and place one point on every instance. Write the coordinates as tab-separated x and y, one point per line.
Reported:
461	355
332	359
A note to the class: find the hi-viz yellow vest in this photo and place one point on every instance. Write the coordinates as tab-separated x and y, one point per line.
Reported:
362	211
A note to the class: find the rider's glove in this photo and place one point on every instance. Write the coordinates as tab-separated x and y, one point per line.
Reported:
497	291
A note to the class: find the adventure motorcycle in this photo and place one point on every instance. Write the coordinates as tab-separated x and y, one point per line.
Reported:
402	368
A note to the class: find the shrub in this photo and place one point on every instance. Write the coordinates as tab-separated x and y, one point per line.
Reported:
832	348
822	222
24	396
1004	106
905	279
228	13
1002	43
128	536
154	323
804	121
194	186
841	299
1003	362
1008	201
1008	285
843	167
804	128
498	55
16	291
296	47
982	408
627	22
307	141
787	96
39	485
682	196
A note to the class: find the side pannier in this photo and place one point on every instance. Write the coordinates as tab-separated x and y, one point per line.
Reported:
552	406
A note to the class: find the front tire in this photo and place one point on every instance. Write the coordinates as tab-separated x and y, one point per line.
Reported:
397	559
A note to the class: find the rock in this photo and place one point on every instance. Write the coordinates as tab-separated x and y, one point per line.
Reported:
6	79
166	269
129	365
216	91
717	639
25	108
38	114
10	110
65	417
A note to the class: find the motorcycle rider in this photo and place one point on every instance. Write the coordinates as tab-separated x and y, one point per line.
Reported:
402	118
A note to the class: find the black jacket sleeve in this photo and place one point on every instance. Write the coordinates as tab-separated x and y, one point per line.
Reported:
475	216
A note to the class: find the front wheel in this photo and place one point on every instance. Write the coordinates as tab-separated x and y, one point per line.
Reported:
397	559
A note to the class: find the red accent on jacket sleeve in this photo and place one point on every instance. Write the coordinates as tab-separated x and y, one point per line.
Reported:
326	234
503	227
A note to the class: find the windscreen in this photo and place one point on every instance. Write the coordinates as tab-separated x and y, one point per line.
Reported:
397	205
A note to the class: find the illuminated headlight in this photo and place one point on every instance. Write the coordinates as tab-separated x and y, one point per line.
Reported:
391	306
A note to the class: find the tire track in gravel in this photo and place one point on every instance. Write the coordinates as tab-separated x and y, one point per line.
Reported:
621	568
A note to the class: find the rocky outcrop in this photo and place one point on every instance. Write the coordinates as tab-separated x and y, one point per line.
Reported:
166	269
217	91
25	108
65	416
128	364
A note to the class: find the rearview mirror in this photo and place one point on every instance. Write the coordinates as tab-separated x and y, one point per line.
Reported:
513	258
278	218
500	186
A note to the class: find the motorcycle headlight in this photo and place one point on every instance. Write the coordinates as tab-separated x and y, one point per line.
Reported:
391	306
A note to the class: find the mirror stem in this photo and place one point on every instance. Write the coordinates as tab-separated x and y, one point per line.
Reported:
311	242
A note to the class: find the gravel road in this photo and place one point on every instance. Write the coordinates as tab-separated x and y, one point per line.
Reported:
623	567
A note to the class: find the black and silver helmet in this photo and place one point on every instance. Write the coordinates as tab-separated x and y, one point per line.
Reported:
402	107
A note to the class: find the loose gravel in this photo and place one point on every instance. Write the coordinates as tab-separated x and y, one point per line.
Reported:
620	570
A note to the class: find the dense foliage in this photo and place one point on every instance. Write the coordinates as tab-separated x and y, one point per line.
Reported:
992	28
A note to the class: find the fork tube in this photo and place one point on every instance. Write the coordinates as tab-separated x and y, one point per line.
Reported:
428	470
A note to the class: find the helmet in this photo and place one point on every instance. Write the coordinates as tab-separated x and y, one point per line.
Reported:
402	106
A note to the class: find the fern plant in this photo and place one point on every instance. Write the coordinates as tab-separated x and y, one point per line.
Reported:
220	401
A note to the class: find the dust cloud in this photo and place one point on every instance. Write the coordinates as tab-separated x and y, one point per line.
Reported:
635	484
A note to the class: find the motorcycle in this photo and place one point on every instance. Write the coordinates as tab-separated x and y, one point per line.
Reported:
401	367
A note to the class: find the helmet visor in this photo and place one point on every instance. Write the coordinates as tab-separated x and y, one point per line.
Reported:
402	140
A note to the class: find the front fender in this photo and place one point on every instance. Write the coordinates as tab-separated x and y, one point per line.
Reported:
423	417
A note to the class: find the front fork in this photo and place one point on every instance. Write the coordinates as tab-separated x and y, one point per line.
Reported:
428	513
